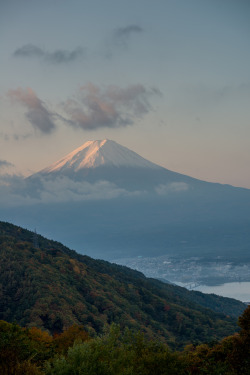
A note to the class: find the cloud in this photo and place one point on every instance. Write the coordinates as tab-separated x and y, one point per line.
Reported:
62	56
15	190
15	136
122	34
37	114
111	106
172	187
119	39
58	56
91	108
5	164
64	189
11	180
29	50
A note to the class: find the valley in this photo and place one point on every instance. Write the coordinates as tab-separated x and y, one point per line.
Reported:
193	273
189	271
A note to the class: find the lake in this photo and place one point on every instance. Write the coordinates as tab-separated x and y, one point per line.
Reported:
237	290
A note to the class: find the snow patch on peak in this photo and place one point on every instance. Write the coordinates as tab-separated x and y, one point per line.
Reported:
99	153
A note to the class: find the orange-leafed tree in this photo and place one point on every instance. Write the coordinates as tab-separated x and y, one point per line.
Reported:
66	339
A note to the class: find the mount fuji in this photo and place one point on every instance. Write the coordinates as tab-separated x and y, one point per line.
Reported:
106	201
107	161
94	154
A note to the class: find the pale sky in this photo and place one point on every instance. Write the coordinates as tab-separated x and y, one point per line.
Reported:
169	79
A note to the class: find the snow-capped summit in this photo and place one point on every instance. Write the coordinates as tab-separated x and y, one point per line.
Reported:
93	154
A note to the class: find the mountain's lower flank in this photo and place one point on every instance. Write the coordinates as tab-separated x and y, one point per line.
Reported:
44	284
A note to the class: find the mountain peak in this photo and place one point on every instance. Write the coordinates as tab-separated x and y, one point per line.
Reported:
97	153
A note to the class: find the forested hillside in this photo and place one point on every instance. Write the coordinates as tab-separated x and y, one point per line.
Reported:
44	284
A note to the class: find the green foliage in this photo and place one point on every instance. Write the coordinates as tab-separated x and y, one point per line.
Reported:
130	353
117	354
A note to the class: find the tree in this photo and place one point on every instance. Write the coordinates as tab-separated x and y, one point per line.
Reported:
16	351
75	333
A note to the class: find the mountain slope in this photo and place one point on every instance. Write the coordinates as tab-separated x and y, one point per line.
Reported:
44	284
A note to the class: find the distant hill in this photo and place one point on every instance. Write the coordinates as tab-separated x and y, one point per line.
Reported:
44	284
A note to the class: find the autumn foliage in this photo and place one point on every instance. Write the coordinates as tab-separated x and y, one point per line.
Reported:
34	352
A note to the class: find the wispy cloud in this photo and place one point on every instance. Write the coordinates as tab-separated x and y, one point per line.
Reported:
15	136
37	113
58	56
117	40
29	50
64	189
63	56
91	108
120	39
111	106
172	187
15	190
5	164
122	34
